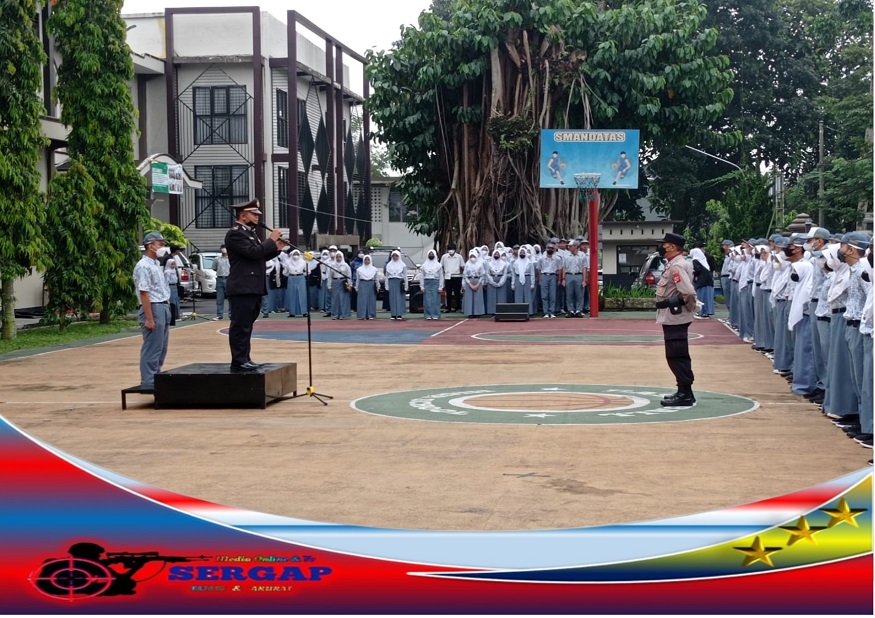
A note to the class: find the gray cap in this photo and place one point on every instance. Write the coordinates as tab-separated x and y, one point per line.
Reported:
774	237
584	241
857	240
152	237
817	232
554	240
782	242
574	243
797	239
727	243
836	237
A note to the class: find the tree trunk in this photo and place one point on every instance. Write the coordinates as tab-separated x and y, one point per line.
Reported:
7	298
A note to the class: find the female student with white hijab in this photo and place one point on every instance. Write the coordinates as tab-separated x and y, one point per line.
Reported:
496	275
324	296
366	285
473	276
339	285
523	279
295	268
840	398
432	284
396	285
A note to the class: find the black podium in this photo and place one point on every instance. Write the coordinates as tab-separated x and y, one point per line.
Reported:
213	385
511	312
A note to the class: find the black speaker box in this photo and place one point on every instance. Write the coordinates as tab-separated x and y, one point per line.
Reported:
511	312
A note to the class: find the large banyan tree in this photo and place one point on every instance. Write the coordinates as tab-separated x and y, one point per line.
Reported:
461	100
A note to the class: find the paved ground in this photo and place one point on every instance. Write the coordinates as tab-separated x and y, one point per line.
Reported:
333	463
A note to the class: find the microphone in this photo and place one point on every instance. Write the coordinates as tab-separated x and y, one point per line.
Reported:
307	255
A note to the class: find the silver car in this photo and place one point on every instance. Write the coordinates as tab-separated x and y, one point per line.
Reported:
203	267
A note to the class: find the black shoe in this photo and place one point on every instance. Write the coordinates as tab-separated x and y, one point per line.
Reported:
849	419
252	362
244	368
817	392
852	430
866	443
672	396
863	437
679	400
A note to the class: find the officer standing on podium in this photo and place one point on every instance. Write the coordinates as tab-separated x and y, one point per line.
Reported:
675	306
246	283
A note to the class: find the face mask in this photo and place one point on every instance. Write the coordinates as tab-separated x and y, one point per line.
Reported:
522	255
661	251
549	251
361	255
331	253
842	257
452	252
287	249
472	259
808	246
776	265
162	251
789	251
816	253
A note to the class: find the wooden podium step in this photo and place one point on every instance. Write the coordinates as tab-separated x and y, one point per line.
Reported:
214	385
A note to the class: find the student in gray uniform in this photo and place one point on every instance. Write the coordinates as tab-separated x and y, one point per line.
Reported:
866	319
522	280
853	249
841	400
396	285
496	276
574	280
783	359
815	241
551	272
562	252
473	277
798	320
340	286
725	272
432	285
366	285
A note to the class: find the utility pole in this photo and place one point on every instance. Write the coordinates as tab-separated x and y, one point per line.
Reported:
820	190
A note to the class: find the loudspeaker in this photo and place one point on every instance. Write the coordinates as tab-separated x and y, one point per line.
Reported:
512	312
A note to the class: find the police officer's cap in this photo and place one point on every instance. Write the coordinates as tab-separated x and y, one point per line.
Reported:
675	239
727	243
857	240
152	237
250	206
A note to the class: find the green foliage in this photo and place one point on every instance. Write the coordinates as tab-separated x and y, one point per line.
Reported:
93	89
744	212
614	291
460	101
74	279
173	234
22	208
374	242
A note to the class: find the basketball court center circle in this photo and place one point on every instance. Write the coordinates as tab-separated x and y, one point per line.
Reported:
549	404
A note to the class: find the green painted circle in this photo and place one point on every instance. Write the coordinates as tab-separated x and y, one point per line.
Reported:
549	404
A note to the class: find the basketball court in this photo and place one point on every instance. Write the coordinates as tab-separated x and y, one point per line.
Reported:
448	425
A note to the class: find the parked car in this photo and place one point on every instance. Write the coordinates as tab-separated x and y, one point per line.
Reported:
204	271
186	275
651	271
379	258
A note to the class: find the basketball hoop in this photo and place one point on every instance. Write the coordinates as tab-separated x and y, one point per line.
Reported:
587	184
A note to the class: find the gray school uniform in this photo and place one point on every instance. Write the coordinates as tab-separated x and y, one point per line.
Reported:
550	267
574	266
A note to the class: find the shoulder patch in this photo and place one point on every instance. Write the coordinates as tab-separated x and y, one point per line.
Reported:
676	276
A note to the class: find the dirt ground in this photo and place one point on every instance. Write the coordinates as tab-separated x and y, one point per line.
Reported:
333	463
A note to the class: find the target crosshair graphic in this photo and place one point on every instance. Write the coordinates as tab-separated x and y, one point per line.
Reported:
71	578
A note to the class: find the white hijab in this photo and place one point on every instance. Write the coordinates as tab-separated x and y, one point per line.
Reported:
296	264
473	267
367	271
699	256
397	267
431	266
842	276
802	294
497	265
521	265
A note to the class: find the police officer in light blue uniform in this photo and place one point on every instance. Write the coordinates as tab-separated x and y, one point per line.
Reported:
574	266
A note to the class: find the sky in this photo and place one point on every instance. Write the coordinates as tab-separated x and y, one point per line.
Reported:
358	24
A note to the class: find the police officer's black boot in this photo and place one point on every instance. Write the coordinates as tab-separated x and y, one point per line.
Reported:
684	397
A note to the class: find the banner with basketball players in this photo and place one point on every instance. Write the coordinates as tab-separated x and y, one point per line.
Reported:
602	158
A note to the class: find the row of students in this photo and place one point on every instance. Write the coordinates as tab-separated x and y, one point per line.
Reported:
806	303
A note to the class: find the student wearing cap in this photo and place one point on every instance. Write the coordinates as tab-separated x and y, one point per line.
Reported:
798	319
584	251
675	304
816	240
574	281
853	250
841	400
154	313
562	252
866	323
778	299
725	272
246	282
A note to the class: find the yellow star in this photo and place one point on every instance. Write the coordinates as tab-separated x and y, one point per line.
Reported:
757	553
843	514
802	531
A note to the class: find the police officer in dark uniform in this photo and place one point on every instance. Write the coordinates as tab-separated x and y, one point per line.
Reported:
675	307
246	284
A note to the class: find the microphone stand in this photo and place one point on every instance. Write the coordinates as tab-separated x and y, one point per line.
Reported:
311	390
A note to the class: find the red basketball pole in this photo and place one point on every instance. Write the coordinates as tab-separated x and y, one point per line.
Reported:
594	254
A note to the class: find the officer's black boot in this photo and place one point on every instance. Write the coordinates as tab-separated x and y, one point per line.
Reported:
673	396
684	397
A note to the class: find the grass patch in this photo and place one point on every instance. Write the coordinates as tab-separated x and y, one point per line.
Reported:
613	291
51	336
719	299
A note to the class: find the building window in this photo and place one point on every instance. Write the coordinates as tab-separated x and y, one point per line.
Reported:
397	209
220	115
224	185
282	119
630	258
282	177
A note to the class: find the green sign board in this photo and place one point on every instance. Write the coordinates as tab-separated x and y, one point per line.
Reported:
166	178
